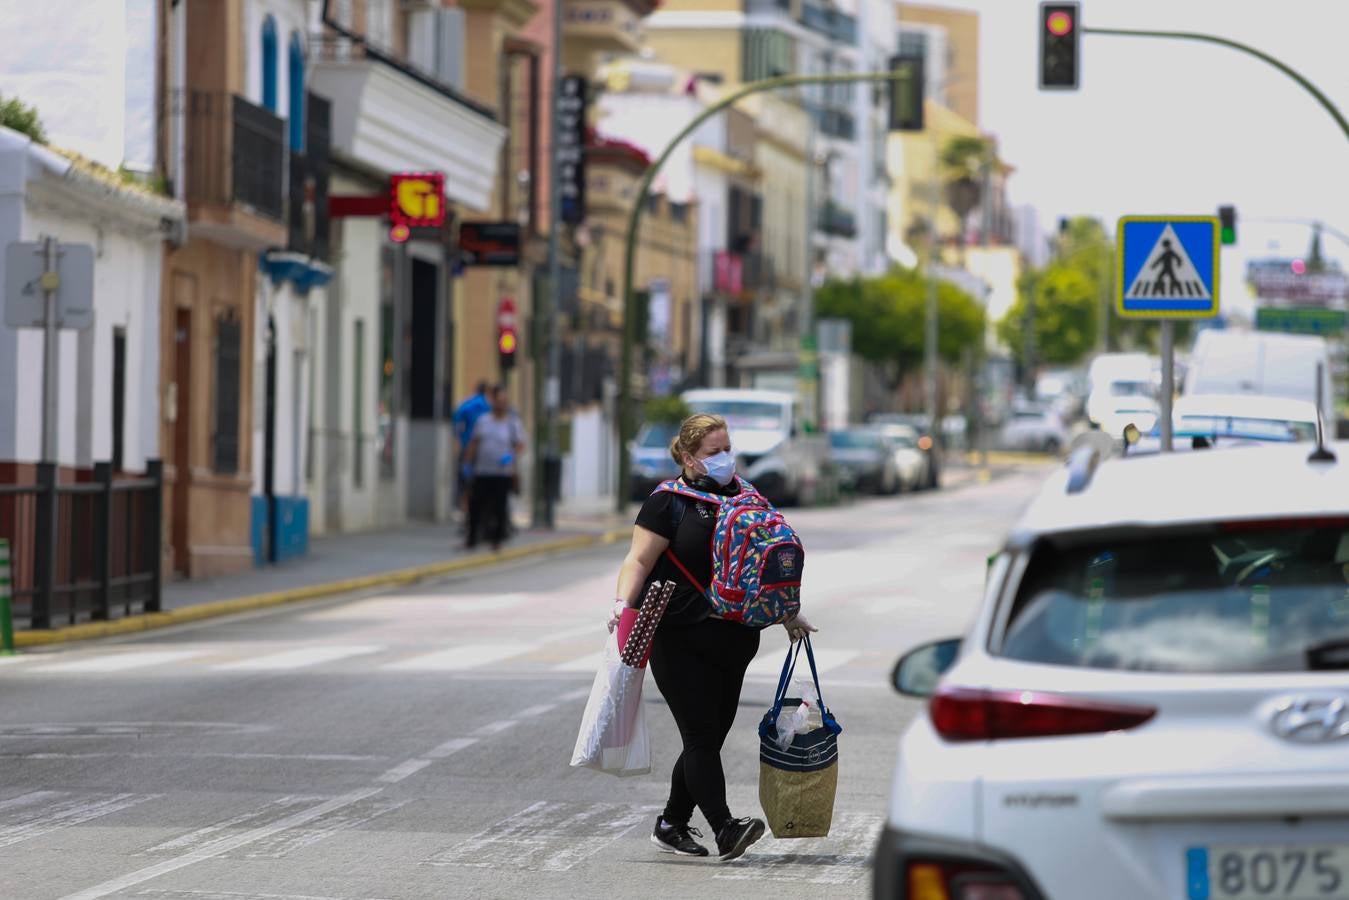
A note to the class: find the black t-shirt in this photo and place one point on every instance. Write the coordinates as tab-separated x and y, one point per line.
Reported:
691	543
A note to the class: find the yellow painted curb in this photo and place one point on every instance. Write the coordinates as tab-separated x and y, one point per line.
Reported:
395	578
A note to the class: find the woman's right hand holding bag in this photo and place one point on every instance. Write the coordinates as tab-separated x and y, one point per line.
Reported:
798	627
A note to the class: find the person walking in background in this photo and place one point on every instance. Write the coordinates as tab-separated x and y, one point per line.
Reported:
494	454
698	658
466	415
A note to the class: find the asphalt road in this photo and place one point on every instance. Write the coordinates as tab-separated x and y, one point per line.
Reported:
416	744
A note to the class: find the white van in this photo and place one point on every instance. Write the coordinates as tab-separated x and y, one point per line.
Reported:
1261	364
770	454
1122	392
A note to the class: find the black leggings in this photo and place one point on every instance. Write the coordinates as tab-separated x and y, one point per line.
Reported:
489	509
699	670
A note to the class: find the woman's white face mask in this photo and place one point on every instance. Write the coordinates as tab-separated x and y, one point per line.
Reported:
720	467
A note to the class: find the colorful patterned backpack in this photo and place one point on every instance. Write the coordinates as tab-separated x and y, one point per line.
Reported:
756	558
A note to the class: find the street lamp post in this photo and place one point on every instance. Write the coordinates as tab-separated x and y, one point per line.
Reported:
626	424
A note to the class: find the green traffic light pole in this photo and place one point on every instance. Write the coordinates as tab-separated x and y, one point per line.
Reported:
1235	45
626	424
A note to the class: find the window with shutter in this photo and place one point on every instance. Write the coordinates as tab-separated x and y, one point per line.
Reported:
228	361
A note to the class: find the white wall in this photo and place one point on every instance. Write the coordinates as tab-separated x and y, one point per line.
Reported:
127	266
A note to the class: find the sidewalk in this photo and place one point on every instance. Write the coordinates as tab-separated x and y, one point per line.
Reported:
345	557
349	562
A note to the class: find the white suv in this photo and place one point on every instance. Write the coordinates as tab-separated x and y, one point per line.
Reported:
1153	701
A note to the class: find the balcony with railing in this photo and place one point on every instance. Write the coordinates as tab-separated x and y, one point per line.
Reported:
837	221
234	169
836	123
830	22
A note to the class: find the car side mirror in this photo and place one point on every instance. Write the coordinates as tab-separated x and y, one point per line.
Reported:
917	672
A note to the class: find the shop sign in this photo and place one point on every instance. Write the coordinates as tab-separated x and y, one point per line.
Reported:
417	200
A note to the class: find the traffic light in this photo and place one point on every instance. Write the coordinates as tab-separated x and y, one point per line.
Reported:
1227	218
1060	31
507	344
906	93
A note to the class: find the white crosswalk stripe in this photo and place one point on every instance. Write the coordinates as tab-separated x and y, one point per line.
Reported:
119	662
37	813
454	659
302	658
588	663
548	836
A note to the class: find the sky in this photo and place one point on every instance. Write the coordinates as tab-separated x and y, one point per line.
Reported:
1167	126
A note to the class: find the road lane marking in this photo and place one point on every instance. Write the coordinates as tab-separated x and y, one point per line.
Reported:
282	757
575	695
608	821
547	835
450	747
455	659
303	657
283	844
210	835
841	858
403	770
588	663
770	663
219	848
536	710
42	812
492	728
119	662
226	895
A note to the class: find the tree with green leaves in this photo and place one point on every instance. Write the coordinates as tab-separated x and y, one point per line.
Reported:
887	316
1065	316
16	114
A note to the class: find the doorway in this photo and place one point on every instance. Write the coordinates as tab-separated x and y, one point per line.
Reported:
182	431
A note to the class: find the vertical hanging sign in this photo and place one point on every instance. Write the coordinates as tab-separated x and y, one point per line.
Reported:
571	114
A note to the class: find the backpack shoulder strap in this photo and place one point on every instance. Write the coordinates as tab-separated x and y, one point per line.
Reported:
676	486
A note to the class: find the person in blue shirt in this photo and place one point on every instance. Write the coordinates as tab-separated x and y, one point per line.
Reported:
465	417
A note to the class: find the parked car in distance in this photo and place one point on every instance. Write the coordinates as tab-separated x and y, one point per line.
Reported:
1036	428
651	462
930	447
1152	701
910	462
866	460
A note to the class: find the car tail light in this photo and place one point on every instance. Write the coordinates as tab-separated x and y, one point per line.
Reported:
958	880
960	714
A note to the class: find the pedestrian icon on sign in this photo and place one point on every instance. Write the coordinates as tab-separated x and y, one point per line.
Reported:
1167	261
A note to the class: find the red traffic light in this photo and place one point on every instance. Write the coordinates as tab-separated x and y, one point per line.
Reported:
1060	23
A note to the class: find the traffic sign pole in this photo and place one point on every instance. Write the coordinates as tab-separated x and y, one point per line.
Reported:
6	611
50	364
1168	381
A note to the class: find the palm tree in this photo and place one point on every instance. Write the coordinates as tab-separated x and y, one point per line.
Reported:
964	161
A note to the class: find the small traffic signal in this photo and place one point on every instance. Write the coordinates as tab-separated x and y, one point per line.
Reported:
506	347
1060	31
507	340
1227	219
906	93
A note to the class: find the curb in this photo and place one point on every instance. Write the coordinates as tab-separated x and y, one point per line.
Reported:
397	577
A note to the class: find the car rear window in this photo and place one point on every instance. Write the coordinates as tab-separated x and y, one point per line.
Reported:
1232	597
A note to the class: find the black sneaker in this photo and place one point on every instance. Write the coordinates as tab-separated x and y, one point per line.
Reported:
735	837
677	839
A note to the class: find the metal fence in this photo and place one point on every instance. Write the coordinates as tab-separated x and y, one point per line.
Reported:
86	551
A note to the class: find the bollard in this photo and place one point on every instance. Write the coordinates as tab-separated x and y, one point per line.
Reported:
6	613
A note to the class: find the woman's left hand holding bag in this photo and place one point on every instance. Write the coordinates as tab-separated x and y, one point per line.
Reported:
798	627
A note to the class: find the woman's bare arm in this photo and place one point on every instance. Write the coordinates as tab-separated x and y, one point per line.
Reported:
647	546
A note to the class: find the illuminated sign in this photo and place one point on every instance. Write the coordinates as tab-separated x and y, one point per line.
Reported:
417	200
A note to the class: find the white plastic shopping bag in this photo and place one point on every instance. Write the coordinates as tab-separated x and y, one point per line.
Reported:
613	735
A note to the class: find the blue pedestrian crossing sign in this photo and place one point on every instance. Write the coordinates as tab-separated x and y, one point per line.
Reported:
1167	267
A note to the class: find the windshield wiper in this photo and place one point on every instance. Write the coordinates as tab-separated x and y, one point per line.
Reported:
1328	656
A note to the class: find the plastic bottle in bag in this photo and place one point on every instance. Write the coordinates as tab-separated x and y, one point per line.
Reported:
791	723
805	689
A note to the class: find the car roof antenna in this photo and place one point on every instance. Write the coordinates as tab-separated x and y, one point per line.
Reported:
1322	453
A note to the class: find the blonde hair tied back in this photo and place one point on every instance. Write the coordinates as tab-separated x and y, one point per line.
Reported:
691	434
